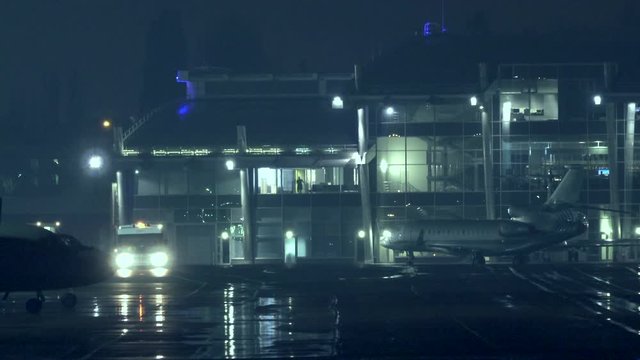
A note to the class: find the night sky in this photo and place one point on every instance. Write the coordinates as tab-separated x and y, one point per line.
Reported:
96	49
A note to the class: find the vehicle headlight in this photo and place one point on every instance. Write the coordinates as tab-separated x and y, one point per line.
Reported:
125	260
159	259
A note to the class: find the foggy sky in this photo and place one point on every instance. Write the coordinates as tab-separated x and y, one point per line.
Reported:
102	42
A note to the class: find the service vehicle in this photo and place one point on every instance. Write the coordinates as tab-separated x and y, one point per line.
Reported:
141	249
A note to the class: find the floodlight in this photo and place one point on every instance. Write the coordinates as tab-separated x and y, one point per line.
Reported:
597	99
96	162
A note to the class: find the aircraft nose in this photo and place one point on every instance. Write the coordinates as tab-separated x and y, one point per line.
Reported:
99	265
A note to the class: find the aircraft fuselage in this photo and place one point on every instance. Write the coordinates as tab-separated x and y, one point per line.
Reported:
487	237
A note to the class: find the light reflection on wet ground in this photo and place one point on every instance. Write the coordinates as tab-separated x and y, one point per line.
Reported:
463	311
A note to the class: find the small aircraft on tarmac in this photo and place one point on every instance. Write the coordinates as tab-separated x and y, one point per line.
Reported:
528	229
36	259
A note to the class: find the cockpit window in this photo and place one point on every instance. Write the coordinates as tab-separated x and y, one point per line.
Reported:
68	240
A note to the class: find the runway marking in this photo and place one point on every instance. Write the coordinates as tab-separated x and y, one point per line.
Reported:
105	344
476	334
591	310
196	290
605	282
557	276
625	327
539	286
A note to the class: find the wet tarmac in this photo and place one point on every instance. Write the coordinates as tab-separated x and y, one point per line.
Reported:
430	311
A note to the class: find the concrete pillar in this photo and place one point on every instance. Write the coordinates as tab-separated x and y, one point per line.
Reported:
505	135
114	213
120	184
365	191
609	73
482	76
629	143
612	147
118	142
357	76
487	153
246	200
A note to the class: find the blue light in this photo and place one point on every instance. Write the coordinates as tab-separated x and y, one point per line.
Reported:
603	171
184	110
427	29
179	77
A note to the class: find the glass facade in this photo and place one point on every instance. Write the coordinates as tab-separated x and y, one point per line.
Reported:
428	159
429	154
201	207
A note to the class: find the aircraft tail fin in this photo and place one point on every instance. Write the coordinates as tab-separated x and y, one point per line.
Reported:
568	191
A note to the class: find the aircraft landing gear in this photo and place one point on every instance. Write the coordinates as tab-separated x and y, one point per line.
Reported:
34	305
40	296
477	259
520	259
69	300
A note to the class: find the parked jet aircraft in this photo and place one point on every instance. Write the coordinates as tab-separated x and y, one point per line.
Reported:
35	259
528	230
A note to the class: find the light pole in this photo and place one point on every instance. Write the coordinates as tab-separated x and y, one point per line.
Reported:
358	245
290	247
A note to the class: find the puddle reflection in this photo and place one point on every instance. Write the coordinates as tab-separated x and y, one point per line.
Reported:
147	309
229	323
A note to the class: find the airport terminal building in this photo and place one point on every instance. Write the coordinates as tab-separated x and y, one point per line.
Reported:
309	167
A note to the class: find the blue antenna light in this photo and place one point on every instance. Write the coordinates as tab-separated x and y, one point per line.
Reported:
443	29
427	29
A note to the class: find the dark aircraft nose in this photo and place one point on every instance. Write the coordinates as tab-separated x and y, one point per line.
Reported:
96	265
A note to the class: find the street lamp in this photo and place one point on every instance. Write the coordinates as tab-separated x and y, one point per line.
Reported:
106	124
597	99
337	103
389	110
473	101
95	162
230	164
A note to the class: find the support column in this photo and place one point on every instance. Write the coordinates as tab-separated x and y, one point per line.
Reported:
505	139
246	201
629	143
125	189
120	198
114	213
118	142
365	191
612	148
487	153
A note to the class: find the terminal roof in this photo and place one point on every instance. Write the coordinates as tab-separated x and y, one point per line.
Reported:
274	121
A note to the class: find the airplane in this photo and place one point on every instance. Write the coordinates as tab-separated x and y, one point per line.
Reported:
35	259
527	230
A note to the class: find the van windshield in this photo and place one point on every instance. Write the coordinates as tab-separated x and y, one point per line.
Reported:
140	242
